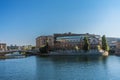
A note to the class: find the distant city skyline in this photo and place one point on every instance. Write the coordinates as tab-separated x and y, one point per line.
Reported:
22	21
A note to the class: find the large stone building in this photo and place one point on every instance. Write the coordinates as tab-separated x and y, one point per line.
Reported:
70	40
3	47
42	40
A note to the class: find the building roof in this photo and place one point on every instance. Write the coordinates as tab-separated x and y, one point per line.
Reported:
73	34
44	36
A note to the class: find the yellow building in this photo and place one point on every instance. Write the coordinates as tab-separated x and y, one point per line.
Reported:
26	47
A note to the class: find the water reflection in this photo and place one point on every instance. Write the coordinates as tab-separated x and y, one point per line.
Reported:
61	68
71	68
74	59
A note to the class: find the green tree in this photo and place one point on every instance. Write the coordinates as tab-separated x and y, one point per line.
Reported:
86	46
45	49
105	46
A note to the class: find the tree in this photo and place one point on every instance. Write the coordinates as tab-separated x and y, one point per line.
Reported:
86	46
105	46
45	49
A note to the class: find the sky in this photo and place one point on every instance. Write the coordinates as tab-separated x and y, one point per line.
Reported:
21	21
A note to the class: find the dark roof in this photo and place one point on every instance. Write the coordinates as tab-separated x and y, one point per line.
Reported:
71	34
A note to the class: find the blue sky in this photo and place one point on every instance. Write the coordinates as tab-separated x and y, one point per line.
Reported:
21	21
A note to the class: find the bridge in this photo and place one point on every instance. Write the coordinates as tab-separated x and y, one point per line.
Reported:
11	51
2	53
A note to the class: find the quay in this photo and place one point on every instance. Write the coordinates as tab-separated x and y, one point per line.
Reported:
69	53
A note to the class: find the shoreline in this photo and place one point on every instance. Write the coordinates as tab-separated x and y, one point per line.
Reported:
71	54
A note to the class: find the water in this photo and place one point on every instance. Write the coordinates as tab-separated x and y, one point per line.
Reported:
60	68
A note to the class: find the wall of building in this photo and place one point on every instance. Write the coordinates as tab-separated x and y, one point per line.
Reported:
42	40
3	47
70	40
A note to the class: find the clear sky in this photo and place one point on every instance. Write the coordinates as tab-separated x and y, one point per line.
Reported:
21	21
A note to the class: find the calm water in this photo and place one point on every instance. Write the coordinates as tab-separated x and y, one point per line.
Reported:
63	68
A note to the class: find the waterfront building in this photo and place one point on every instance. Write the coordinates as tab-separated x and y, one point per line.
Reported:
112	43
70	40
3	47
117	51
13	47
26	47
41	41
